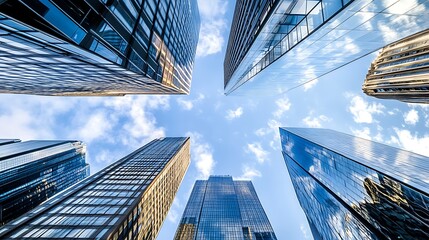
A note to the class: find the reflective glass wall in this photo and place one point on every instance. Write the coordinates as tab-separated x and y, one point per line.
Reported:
302	40
352	188
101	47
127	200
221	208
33	171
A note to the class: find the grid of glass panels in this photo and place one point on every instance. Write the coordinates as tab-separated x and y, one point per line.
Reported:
350	188
121	201
98	47
303	40
33	171
220	208
400	71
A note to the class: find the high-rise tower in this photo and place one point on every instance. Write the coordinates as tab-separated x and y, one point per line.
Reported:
401	71
221	208
277	45
99	47
33	171
352	188
127	200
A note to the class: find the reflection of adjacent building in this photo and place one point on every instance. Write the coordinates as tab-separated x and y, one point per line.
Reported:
65	47
33	171
222	208
129	199
401	71
352	188
275	46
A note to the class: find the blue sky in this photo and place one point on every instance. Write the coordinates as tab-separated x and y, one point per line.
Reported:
230	135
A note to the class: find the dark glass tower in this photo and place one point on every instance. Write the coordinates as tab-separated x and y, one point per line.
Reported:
401	71
97	47
127	200
33	171
283	44
352	188
221	208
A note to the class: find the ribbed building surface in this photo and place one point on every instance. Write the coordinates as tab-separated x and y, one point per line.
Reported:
33	171
127	200
221	208
401	71
278	45
97	47
352	188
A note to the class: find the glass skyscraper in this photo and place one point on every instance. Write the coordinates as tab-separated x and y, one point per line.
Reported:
352	188
277	45
33	171
401	71
127	200
99	47
221	208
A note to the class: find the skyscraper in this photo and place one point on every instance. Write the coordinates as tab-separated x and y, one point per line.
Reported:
100	47
127	200
221	208
352	188
277	45
400	71
33	171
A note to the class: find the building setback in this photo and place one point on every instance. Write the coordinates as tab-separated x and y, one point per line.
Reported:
352	188
278	45
127	200
33	171
221	208
401	71
98	47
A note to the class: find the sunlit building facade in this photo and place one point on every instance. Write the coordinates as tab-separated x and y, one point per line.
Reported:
101	47
401	71
221	208
127	200
352	188
33	171
277	45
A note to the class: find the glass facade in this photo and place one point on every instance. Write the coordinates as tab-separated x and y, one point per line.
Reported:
401	71
127	200
100	47
221	208
352	188
33	171
298	41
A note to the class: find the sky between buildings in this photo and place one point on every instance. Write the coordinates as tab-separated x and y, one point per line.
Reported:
232	135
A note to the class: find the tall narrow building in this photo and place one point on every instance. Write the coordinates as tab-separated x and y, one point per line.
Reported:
127	200
401	71
33	171
278	45
98	47
352	188
221	208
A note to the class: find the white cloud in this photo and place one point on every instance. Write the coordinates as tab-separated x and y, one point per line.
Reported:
362	111
95	127
233	114
283	105
362	133
315	122
305	233
411	117
257	150
173	213
310	84
189	104
412	142
249	173
201	154
213	24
